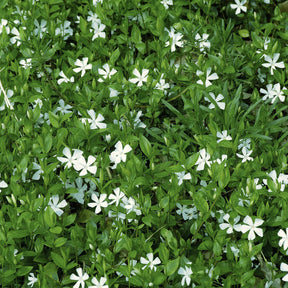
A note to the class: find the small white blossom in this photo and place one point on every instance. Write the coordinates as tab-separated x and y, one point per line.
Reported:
140	78
53	203
83	66
106	72
98	29
284	238
239	6
252	227
64	78
203	159
223	136
186	272
246	155
99	284
81	278
63	109
98	202
95	122
176	39
70	159
203	42
116	197
32	279
231	227
284	268
119	154
209	77
272	63
166	3
150	262
64	30
85	167
217	99
26	63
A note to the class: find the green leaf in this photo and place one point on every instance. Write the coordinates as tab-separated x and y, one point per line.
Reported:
136	34
60	241
54	119
24	270
58	260
49	217
172	266
17	234
200	203
145	146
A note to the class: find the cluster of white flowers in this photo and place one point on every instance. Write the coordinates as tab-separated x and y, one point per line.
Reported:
81	277
273	92
245	146
97	26
78	161
280	182
248	225
186	212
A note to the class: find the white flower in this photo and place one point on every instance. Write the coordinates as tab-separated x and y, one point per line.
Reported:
26	63
273	62
32	279
137	122
16	38
64	30
105	72
99	284
3	24
278	93
269	93
81	278
218	100
36	175
239	6
64	78
53	203
83	66
63	109
130	205
223	136
85	167
113	92
186	272
93	17
119	154
40	28
182	176
3	184
203	159
246	153
209	77
162	85
244	143
116	197
94	122
252	227
203	42
187	213
284	240
140	78
284	268
98	202
235	226
150	262
166	3
70	159
176	39
98	30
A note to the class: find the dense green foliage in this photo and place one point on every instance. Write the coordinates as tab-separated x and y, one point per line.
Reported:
143	143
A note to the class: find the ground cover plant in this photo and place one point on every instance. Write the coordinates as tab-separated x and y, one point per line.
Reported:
143	143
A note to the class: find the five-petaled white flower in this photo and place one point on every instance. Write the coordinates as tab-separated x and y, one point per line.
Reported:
284	238
119	154
150	262
203	159
70	159
231	227
81	278
246	155
223	136
272	63
209	77
98	202
64	78
140	78
116	197
166	3
239	5
186	272
95	122
98	29
32	279
217	99
83	66
252	227
106	72
284	268
203	42
99	284
63	109
85	167
53	203
176	39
